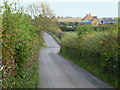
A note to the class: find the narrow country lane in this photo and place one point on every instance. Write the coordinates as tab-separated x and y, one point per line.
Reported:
58	72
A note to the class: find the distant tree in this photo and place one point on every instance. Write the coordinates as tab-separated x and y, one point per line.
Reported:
42	16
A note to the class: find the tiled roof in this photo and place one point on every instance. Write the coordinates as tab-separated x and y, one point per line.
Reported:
92	20
85	16
68	19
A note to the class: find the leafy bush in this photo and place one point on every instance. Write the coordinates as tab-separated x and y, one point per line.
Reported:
109	53
103	28
65	28
57	34
67	23
94	50
81	29
20	47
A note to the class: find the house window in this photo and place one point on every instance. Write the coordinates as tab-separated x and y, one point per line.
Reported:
101	21
95	23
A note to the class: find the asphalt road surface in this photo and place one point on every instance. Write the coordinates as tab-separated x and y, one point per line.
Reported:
58	72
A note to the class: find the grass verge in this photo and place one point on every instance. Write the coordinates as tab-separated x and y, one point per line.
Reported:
93	70
54	36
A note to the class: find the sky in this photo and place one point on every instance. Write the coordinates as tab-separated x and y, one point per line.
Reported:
79	8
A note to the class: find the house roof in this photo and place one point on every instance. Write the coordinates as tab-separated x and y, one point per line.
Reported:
85	16
92	20
68	19
99	19
93	17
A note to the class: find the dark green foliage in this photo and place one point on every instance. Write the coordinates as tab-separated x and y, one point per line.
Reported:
67	23
65	28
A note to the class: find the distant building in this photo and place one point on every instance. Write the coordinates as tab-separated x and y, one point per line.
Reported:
68	19
118	21
88	19
107	21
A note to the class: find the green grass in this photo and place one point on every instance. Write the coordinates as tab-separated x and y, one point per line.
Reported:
54	36
42	42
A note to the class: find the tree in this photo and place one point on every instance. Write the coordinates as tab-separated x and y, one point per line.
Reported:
42	16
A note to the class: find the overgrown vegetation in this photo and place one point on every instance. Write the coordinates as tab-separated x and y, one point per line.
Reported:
57	34
95	51
67	26
103	28
21	41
